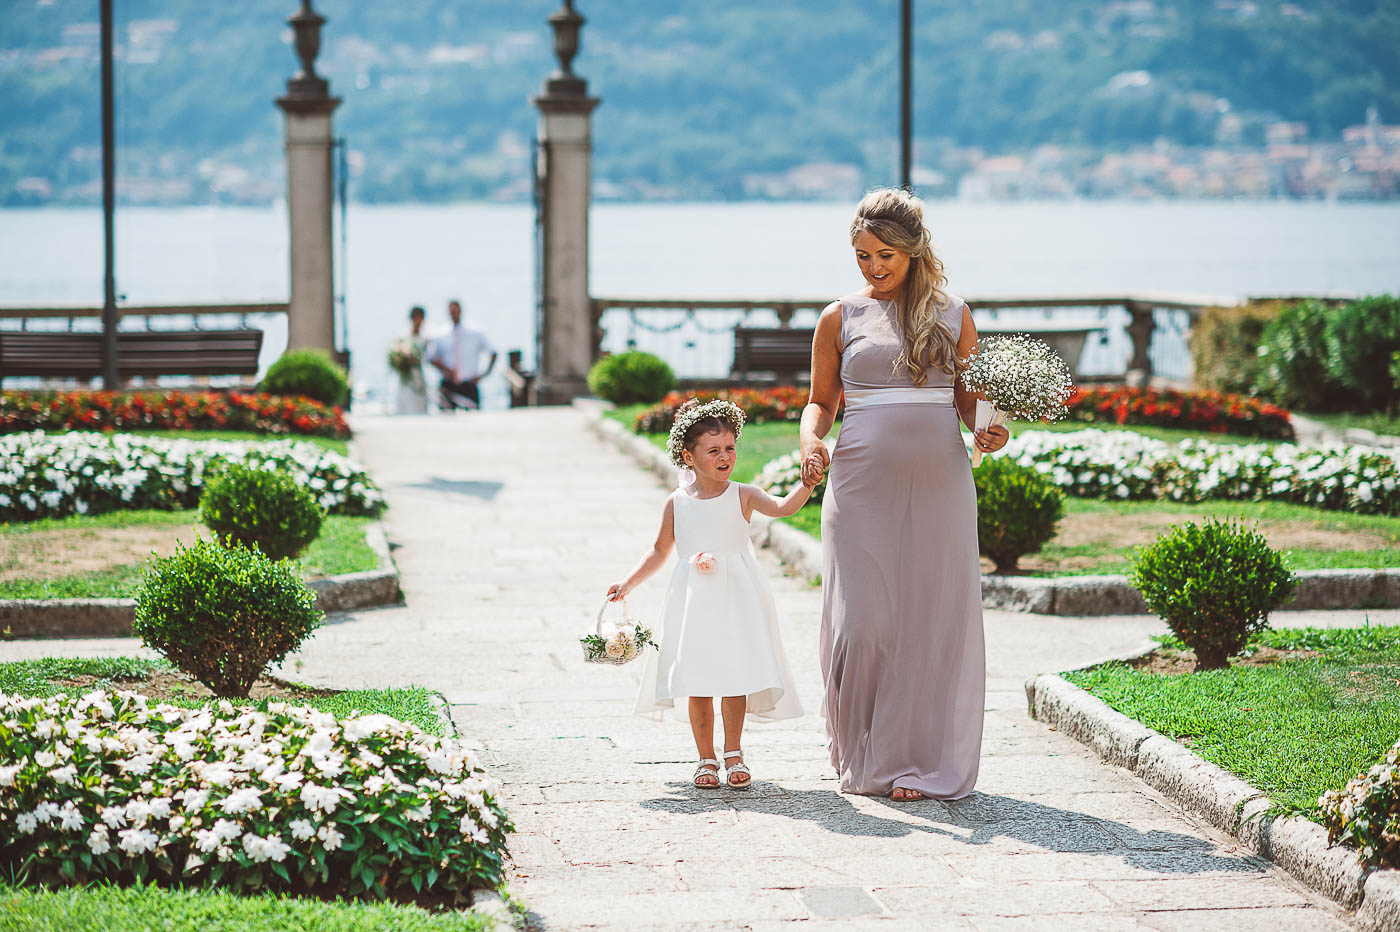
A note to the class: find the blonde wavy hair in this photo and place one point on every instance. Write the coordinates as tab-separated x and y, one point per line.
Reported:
896	218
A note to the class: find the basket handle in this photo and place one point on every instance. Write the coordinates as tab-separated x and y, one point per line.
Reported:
598	628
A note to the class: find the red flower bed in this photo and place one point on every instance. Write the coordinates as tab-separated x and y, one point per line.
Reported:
1216	412
169	410
783	403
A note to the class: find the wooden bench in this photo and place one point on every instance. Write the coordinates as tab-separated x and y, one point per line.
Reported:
147	353
783	352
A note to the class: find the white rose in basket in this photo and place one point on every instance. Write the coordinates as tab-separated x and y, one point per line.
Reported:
626	640
619	646
1020	377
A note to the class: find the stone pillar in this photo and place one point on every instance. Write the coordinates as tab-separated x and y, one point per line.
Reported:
308	106
566	342
1140	328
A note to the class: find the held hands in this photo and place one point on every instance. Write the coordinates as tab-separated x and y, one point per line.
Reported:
814	464
991	439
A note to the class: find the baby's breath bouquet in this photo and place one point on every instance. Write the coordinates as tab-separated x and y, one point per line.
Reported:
406	358
616	643
1020	377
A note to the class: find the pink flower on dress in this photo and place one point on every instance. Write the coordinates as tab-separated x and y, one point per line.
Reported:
704	563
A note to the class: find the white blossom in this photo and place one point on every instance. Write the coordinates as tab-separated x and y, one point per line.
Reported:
330	838
243	800
137	840
69	818
265	848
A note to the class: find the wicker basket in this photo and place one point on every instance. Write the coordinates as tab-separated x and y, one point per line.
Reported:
629	626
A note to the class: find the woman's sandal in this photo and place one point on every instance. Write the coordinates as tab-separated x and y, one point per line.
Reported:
738	768
709	767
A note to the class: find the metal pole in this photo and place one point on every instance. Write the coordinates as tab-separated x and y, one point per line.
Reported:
110	378
906	116
341	190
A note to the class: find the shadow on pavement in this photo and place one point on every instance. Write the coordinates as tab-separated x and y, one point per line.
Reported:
483	490
977	820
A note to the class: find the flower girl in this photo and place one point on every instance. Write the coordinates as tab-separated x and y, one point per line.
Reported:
719	626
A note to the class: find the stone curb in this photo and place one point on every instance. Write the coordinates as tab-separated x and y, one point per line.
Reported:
88	618
1065	595
1380	909
1295	844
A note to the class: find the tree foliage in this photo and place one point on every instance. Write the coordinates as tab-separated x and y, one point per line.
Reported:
696	96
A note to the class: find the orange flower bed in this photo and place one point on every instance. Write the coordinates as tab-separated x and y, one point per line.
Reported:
783	403
169	410
1215	412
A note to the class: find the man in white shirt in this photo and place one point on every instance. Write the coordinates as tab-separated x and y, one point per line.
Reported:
457	355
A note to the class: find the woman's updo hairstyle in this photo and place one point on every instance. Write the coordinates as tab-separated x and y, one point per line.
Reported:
896	218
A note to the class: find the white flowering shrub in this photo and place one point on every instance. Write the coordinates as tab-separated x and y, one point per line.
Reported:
1125	465
54	475
105	786
782	474
1366	815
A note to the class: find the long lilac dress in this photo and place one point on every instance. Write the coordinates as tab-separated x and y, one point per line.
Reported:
901	637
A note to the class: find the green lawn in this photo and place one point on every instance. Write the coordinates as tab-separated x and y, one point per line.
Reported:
758	444
1123	527
104	908
1377	421
1294	729
107	908
1110	555
1171	435
36	678
1077	550
340	548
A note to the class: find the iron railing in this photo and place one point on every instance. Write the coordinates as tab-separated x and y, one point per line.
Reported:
1110	337
270	317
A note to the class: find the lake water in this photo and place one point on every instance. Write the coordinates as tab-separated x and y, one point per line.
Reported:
484	254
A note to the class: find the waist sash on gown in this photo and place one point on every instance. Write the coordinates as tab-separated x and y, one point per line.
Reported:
857	398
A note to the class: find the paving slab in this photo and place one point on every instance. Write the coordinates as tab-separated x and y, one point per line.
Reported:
508	527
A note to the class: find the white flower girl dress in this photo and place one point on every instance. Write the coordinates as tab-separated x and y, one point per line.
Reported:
719	627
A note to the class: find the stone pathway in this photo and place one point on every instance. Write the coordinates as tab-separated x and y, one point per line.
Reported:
510	525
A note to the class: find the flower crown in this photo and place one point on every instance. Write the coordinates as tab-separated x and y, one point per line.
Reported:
690	413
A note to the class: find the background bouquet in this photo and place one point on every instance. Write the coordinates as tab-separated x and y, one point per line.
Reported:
406	358
1020	377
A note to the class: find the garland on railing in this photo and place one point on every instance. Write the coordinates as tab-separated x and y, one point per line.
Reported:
169	410
1215	412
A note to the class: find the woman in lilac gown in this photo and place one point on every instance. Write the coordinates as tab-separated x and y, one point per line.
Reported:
901	637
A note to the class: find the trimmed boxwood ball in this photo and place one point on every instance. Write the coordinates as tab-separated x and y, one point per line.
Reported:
632	377
310	373
1018	510
1214	584
261	508
223	614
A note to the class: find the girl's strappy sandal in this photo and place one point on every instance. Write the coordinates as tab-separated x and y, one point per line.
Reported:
709	767
740	767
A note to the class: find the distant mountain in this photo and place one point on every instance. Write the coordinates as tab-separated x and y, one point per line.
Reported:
713	99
